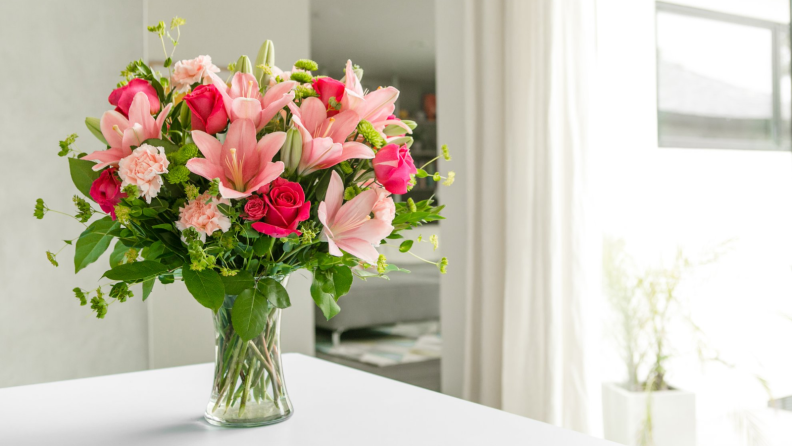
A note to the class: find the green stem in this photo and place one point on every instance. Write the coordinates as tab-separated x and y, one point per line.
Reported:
237	370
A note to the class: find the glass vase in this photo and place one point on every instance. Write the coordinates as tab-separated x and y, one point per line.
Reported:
248	388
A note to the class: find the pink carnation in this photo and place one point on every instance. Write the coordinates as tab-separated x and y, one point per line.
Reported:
203	215
143	169
188	72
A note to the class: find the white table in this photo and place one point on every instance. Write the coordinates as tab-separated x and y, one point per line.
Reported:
334	405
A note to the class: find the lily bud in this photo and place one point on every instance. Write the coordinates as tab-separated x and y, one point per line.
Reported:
266	56
401	141
291	151
243	65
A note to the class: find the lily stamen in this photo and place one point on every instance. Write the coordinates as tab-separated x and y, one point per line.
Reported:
329	125
235	168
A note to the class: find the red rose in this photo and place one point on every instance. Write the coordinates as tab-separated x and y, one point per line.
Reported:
328	88
122	97
208	112
286	208
255	208
393	166
106	191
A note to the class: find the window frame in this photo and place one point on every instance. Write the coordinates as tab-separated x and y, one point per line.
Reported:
779	143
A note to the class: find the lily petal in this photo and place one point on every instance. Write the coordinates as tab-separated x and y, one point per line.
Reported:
354	212
359	248
272	109
269	145
276	92
209	146
334	197
376	102
205	168
356	150
313	114
107	157
161	119
140	113
109	120
344	124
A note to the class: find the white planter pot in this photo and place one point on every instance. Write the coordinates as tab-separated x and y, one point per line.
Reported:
673	416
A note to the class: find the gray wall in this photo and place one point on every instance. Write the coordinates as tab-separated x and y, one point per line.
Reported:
61	61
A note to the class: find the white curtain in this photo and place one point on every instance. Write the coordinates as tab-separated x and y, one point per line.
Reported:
531	245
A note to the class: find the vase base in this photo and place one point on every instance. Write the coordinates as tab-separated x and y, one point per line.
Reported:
226	422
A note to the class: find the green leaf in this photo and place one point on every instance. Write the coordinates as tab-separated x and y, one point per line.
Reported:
118	256
96	129
275	292
136	271
164	143
242	281
249	314
263	245
148	285
165	226
342	280
93	242
405	246
322	294
153	251
205	286
83	175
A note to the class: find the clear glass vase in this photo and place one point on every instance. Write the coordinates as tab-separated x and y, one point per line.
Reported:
248	389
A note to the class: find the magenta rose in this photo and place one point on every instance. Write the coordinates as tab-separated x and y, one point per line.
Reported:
328	88
255	208
393	166
208	112
286	208
106	191
122	97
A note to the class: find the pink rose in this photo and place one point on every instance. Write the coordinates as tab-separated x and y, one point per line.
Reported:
208	112
286	208
188	72
122	97
106	191
144	168
393	166
328	88
255	208
203	215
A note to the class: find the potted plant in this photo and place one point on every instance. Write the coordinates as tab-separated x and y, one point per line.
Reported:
646	409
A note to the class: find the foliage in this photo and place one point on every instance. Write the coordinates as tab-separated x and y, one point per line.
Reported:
152	243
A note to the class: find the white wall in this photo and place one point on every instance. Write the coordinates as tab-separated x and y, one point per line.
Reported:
450	111
658	199
61	60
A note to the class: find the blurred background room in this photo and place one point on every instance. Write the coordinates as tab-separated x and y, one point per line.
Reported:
620	225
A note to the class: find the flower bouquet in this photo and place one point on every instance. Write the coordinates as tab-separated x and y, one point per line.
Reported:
232	185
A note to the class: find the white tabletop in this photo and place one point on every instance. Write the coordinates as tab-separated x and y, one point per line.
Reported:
334	405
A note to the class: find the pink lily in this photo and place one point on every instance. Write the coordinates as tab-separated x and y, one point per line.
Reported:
244	101
374	107
122	133
324	138
348	226
242	165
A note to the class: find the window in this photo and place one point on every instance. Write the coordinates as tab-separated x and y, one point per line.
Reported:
723	81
